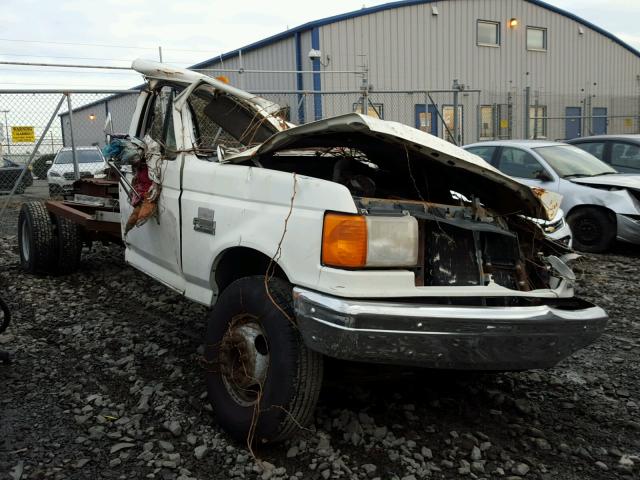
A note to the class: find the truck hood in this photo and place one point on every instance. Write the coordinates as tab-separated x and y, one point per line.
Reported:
501	193
622	180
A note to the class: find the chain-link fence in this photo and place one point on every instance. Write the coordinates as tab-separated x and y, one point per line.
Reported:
48	139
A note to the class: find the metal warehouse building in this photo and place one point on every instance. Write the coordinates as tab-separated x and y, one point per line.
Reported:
509	68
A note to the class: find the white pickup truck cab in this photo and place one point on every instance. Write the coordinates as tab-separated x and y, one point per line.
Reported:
346	237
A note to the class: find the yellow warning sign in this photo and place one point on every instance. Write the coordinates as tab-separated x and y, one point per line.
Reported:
628	122
23	135
504	123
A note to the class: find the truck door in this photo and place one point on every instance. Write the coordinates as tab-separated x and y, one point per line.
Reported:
154	247
217	197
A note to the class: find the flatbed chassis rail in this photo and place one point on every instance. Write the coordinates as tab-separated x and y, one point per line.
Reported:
98	222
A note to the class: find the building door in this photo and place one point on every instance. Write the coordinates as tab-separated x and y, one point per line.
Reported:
426	118
447	116
599	122
573	123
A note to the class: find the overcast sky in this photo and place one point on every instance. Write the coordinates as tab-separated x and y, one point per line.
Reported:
114	32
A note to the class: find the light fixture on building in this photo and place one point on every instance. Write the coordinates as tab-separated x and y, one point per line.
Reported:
513	23
580	30
315	54
92	116
434	10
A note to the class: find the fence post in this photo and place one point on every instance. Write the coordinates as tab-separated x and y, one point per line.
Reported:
495	118
427	119
6	127
456	88
365	91
527	102
510	116
76	170
536	106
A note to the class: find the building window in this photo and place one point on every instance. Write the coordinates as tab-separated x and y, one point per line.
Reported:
447	116
536	38
488	33
375	110
487	122
538	122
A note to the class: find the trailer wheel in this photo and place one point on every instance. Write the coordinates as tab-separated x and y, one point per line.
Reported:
69	245
37	239
263	382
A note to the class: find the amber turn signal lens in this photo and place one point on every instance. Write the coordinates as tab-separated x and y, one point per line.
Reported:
344	240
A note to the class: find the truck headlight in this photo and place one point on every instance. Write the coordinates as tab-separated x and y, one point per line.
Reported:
357	241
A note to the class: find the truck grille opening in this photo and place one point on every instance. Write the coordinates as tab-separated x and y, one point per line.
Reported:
450	256
459	256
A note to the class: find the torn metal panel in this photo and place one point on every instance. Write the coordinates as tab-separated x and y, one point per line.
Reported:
263	109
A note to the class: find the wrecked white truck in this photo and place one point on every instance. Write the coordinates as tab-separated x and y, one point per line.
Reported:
350	237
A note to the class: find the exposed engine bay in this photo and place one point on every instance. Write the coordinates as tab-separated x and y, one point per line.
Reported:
467	245
463	240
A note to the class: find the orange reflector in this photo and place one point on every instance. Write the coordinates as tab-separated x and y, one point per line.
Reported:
223	79
344	240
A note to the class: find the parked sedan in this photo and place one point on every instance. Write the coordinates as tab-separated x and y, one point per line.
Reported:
61	174
9	174
622	152
601	204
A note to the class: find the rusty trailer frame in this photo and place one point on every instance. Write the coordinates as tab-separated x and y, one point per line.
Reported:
94	218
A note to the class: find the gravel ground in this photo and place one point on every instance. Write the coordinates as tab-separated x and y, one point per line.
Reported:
106	383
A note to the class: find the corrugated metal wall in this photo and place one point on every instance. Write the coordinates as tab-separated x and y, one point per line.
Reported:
411	48
277	56
88	120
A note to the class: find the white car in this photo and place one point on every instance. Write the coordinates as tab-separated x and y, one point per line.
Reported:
61	174
601	205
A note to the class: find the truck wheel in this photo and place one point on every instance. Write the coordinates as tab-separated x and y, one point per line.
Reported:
69	244
36	239
263	382
593	230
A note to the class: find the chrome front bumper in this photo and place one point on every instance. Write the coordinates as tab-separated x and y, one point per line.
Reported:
445	337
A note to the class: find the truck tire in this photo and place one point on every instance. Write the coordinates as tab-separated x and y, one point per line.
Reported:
69	245
262	381
37	239
593	229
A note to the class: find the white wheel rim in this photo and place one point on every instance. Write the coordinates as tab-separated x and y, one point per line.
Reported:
244	365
